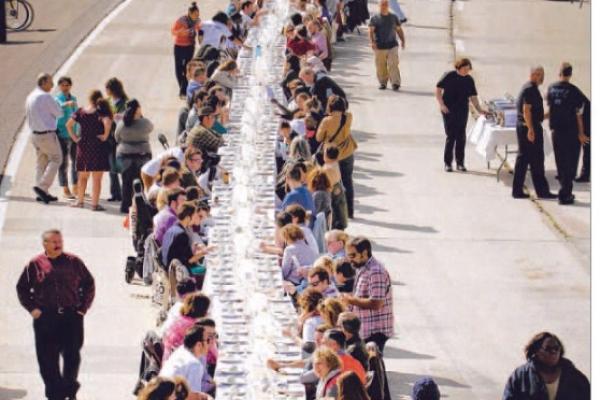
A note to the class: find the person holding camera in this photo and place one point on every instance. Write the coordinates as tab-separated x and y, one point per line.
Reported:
133	148
185	30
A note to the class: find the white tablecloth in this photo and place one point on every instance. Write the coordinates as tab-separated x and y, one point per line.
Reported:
487	136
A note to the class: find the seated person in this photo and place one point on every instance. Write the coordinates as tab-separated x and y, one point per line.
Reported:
297	256
177	244
197	104
183	289
193	164
318	278
185	361
299	218
298	193
202	136
168	215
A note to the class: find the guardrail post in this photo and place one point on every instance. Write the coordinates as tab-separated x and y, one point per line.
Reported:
3	22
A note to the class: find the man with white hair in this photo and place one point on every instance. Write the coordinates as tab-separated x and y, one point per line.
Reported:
383	29
42	113
530	134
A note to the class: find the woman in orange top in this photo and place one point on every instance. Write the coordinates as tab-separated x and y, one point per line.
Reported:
184	31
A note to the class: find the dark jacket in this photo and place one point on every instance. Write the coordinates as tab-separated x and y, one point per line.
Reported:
324	87
356	348
526	383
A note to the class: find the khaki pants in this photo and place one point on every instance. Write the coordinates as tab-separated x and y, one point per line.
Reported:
49	157
386	64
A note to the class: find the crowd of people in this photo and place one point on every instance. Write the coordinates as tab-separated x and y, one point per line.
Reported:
341	291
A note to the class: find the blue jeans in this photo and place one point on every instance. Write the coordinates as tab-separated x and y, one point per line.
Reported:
69	152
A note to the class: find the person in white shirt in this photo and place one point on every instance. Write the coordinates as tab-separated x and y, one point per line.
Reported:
42	112
185	361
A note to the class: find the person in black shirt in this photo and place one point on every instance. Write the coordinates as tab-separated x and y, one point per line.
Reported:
565	102
454	91
530	135
384	27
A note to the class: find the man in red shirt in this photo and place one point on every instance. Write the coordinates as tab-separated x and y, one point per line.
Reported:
57	289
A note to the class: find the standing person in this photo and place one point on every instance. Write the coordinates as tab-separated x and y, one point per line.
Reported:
547	374
336	129
68	103
383	29
530	134
350	387
92	152
42	111
57	289
372	298
453	92
565	103
118	98
185	30
133	148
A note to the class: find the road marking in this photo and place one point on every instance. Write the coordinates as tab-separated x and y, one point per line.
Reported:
16	154
460	45
460	5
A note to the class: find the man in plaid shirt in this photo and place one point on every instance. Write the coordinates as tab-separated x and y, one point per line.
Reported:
372	297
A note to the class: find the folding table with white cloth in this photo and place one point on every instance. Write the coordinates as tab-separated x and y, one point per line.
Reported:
487	136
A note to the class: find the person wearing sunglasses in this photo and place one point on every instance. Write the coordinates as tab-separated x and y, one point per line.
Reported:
318	278
547	374
186	361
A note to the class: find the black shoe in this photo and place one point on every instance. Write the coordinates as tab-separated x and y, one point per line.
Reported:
582	179
395	88
403	20
567	201
520	195
340	39
461	168
111	199
448	168
45	197
52	198
382	87
548	196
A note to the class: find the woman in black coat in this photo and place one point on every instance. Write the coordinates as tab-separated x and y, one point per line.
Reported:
546	375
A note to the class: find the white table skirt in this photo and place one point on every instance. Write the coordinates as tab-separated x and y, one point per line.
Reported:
487	136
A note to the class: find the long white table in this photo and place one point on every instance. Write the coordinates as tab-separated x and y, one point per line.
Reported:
488	137
246	286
